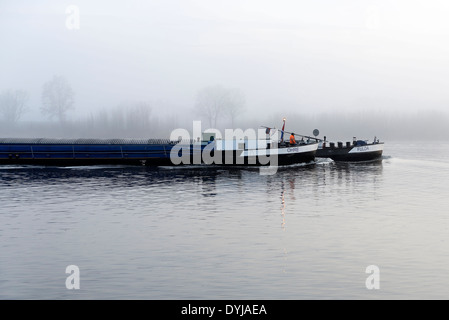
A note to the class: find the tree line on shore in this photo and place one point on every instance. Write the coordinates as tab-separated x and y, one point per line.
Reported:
132	118
217	106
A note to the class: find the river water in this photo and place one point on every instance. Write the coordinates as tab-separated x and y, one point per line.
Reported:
306	232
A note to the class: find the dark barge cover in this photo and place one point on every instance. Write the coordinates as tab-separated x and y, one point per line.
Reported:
68	152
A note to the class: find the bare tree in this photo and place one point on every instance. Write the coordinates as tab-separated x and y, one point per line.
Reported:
211	103
138	116
215	101
235	104
13	105
57	98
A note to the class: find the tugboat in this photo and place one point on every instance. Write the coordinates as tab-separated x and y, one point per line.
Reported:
358	150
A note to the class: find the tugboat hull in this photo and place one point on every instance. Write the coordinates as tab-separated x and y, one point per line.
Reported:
277	156
366	152
285	156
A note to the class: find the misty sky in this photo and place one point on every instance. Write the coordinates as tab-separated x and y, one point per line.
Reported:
307	56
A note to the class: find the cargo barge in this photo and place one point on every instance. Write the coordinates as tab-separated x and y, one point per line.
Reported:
79	152
151	152
268	150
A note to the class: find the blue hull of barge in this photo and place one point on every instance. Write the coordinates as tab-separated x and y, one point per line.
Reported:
62	152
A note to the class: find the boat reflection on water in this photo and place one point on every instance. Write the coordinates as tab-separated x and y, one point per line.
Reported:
283	210
283	221
353	173
309	197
